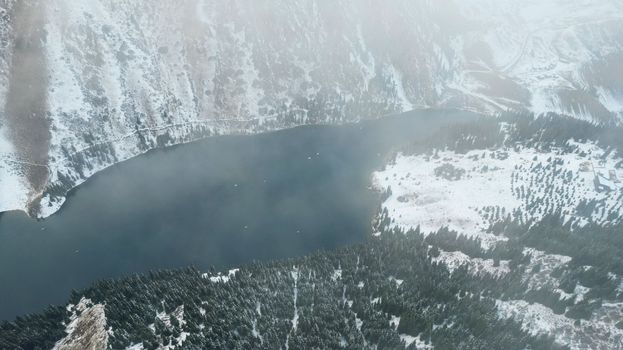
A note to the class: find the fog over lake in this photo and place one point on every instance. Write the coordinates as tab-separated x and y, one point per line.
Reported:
221	202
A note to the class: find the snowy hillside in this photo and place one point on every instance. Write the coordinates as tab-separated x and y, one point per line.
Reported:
498	196
468	192
86	84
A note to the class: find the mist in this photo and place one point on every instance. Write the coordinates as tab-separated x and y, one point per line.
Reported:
363	174
222	202
88	84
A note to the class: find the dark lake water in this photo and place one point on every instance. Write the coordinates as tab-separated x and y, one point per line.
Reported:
223	201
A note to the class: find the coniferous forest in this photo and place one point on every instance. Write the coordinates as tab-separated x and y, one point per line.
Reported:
347	298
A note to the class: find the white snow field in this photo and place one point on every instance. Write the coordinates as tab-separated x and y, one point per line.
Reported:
598	333
524	183
469	192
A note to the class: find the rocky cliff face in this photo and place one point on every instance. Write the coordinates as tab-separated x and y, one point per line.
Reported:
85	84
86	329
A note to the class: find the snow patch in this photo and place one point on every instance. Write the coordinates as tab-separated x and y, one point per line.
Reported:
476	266
220	277
487	186
597	333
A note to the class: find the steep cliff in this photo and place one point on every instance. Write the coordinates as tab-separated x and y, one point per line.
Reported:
85	84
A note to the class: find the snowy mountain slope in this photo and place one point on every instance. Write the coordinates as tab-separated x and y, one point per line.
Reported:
472	189
86	84
598	333
489	185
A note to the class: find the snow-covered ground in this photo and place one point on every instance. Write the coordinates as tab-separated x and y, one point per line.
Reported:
543	54
523	183
469	192
475	265
419	342
165	318
597	333
221	278
547	263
